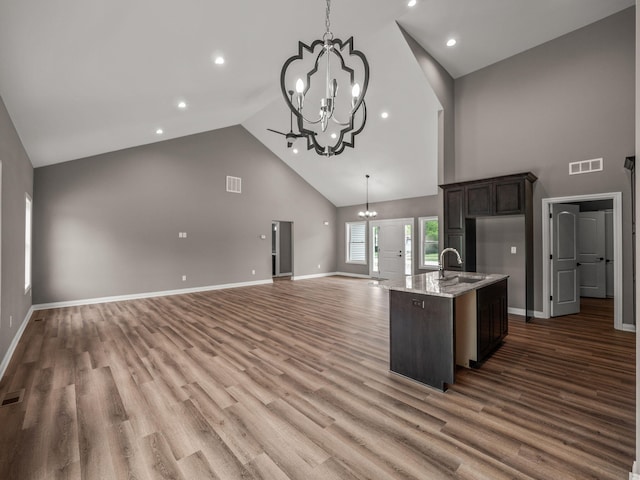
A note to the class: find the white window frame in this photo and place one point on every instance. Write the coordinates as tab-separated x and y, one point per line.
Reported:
375	265
348	227
421	223
28	242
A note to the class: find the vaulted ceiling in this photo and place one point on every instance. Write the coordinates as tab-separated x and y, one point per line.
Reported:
80	78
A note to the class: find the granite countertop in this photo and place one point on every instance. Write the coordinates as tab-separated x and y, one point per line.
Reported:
452	285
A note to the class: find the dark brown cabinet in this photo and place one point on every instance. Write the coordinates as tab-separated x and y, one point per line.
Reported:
453	209
464	202
457	233
492	320
497	197
421	338
509	197
479	200
426	332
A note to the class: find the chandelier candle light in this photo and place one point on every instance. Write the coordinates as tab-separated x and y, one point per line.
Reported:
316	79
367	214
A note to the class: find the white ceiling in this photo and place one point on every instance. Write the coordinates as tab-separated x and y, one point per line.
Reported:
83	77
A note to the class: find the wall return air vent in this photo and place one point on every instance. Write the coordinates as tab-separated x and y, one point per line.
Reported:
585	166
234	184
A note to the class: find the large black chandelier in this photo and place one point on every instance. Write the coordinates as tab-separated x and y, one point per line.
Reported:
328	117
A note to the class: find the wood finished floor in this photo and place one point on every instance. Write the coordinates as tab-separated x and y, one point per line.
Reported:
290	381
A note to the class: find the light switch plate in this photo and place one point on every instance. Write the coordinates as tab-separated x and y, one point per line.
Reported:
513	250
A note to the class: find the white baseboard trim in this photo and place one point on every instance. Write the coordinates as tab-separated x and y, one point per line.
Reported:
522	312
633	475
137	296
536	314
314	275
14	343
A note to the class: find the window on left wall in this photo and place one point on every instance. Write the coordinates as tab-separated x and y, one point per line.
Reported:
27	242
356	240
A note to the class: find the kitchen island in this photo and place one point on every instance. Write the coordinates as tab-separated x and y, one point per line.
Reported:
436	323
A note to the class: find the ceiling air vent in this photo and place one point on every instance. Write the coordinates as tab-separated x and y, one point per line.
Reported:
585	166
234	184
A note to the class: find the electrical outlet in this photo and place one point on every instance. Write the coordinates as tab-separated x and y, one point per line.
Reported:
513	250
318	265
253	272
184	278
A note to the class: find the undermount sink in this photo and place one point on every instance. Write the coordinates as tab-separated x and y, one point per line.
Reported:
469	279
453	279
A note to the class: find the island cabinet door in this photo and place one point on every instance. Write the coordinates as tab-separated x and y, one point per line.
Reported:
421	338
492	318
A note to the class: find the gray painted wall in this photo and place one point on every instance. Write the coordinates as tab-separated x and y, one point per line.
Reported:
443	86
406	208
17	179
108	225
567	100
494	238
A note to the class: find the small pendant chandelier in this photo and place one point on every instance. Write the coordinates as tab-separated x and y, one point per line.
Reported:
341	113
367	213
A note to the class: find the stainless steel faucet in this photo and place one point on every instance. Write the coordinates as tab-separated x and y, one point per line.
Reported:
441	264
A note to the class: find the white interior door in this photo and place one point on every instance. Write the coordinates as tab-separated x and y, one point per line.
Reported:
565	298
591	254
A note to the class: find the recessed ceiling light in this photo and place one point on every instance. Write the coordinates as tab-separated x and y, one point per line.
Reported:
384	115
159	131
334	135
295	150
412	3
219	60
451	42
182	105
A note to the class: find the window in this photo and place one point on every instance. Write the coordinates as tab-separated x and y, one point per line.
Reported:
356	235
27	243
408	251
375	243
429	241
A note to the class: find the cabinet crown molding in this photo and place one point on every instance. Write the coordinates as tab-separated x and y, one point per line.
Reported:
514	176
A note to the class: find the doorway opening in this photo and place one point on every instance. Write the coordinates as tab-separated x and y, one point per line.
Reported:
555	277
391	248
281	249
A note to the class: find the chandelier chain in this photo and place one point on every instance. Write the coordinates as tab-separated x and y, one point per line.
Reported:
327	22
